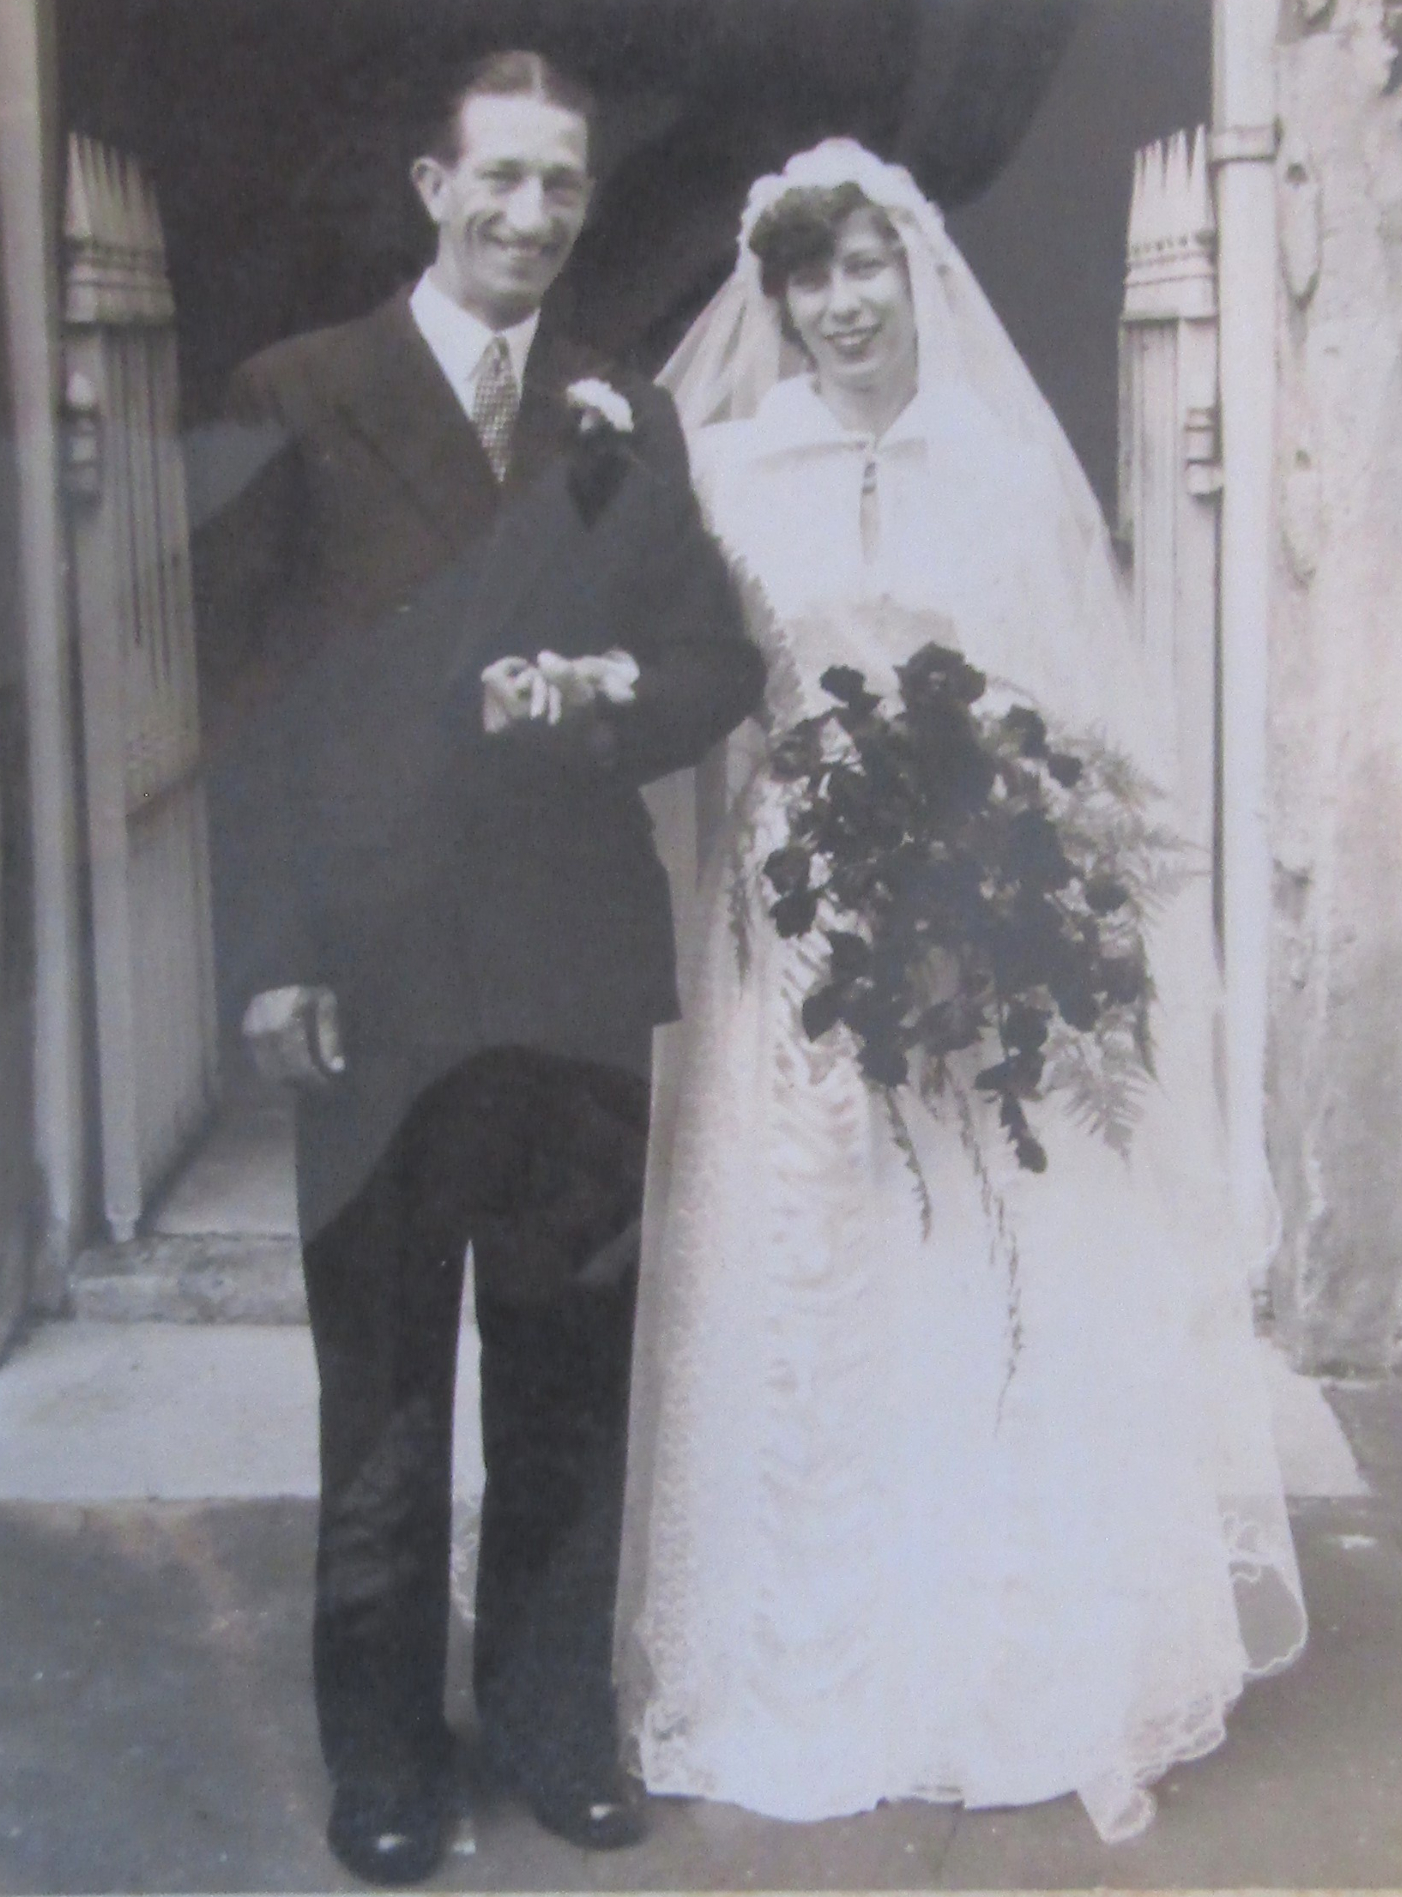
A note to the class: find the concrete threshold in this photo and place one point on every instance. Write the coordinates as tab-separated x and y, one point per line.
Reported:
209	1278
221	1246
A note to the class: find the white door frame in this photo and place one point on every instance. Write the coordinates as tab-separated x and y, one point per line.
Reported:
1242	149
29	173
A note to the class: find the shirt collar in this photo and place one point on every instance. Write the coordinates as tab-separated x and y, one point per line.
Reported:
793	416
458	338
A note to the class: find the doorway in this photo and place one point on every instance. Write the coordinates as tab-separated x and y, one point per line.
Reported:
276	141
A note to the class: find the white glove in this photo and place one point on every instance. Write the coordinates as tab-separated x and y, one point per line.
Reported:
510	687
294	1035
611	676
577	681
515	691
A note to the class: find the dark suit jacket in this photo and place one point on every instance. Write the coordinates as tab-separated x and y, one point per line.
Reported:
455	890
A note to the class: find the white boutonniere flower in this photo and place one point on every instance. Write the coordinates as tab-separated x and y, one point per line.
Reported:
599	405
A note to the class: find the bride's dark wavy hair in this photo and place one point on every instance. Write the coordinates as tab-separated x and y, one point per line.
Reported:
801	229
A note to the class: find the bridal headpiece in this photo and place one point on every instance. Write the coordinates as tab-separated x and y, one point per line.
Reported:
839	161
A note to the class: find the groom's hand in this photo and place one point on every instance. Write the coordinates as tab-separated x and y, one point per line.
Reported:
510	689
294	1035
557	705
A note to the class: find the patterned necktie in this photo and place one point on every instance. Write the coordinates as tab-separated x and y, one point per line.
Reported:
494	405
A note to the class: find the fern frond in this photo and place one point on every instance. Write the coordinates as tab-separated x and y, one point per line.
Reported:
738	903
900	1133
1100	1083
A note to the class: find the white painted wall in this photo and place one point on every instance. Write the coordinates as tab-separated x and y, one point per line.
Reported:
1335	761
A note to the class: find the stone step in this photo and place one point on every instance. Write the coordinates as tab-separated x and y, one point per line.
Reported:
192	1278
220	1245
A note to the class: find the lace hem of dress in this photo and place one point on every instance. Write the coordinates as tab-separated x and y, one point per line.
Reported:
662	1746
1118	1800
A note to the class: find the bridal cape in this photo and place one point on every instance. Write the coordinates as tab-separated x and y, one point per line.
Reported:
991	1514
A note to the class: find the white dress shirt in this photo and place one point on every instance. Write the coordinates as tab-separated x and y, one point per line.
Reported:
459	340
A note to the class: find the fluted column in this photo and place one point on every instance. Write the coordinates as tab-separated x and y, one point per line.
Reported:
29	261
1242	147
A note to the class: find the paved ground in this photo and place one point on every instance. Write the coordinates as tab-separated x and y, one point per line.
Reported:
156	1525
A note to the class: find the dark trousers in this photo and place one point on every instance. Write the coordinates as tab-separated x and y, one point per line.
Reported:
537	1161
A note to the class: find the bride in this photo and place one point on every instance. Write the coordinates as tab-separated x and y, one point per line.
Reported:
983	1507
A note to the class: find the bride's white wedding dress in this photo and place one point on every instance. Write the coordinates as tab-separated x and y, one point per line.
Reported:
992	1514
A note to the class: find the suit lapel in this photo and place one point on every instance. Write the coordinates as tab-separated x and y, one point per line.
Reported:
545	426
404	406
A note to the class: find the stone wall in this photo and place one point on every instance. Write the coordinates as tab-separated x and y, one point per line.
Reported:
1335	1081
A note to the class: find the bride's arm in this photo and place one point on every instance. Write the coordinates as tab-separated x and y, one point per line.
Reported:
699	674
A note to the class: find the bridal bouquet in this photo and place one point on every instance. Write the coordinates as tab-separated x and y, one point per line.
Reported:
982	884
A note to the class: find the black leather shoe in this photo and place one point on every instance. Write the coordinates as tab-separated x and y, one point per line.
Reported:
600	1808
605	1816
389	1833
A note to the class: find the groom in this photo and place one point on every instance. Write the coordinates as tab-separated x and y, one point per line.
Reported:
460	608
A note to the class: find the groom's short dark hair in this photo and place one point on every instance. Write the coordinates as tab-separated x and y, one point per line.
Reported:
512	74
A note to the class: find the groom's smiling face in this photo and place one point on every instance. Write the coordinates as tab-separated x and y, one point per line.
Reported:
510	206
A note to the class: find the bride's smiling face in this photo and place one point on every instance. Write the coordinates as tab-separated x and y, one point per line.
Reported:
853	310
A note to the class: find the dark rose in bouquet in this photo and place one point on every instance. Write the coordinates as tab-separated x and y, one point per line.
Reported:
984	887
